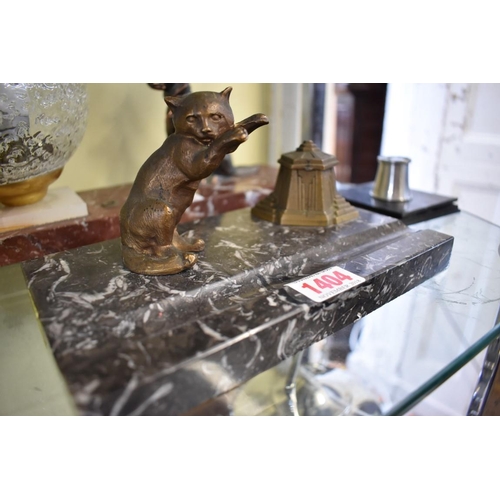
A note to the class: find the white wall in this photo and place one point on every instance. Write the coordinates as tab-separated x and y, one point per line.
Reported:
126	124
290	118
413	127
452	134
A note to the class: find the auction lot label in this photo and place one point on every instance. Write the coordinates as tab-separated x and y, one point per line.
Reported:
327	283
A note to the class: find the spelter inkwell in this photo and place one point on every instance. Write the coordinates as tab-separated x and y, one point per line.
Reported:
305	192
165	185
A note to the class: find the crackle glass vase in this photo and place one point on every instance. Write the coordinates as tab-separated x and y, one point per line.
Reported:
41	125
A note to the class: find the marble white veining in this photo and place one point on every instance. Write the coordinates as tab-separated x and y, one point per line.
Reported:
157	344
129	389
285	339
210	331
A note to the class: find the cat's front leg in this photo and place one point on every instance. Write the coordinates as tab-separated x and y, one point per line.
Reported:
253	122
239	133
229	141
207	159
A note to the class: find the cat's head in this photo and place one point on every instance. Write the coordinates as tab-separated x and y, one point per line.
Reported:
202	115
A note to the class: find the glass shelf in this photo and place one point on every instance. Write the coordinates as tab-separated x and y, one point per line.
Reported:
430	340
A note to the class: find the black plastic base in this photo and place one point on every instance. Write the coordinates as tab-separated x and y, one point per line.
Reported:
423	206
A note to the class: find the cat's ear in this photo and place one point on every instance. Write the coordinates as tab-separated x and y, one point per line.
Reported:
226	92
173	102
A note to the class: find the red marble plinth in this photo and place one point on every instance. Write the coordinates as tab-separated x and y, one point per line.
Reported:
215	195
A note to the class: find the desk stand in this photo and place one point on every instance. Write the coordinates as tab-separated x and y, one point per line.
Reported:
129	344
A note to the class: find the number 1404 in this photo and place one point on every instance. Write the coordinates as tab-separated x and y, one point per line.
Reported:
327	281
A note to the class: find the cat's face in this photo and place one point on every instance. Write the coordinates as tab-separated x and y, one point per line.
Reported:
202	115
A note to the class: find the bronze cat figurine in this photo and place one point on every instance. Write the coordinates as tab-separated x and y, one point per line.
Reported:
165	185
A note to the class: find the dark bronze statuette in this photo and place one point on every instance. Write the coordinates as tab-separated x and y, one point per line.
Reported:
306	192
165	185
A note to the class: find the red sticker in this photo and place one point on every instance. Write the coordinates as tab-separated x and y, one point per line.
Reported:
327	283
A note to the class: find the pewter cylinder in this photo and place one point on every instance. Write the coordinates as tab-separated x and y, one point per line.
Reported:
391	181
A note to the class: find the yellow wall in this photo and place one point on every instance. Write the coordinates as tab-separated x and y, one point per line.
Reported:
126	123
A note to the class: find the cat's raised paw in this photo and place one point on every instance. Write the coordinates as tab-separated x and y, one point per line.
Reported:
240	134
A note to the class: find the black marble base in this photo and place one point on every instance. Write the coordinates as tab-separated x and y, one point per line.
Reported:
423	206
139	345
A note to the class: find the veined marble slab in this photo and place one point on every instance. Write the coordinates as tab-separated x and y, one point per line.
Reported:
141	345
